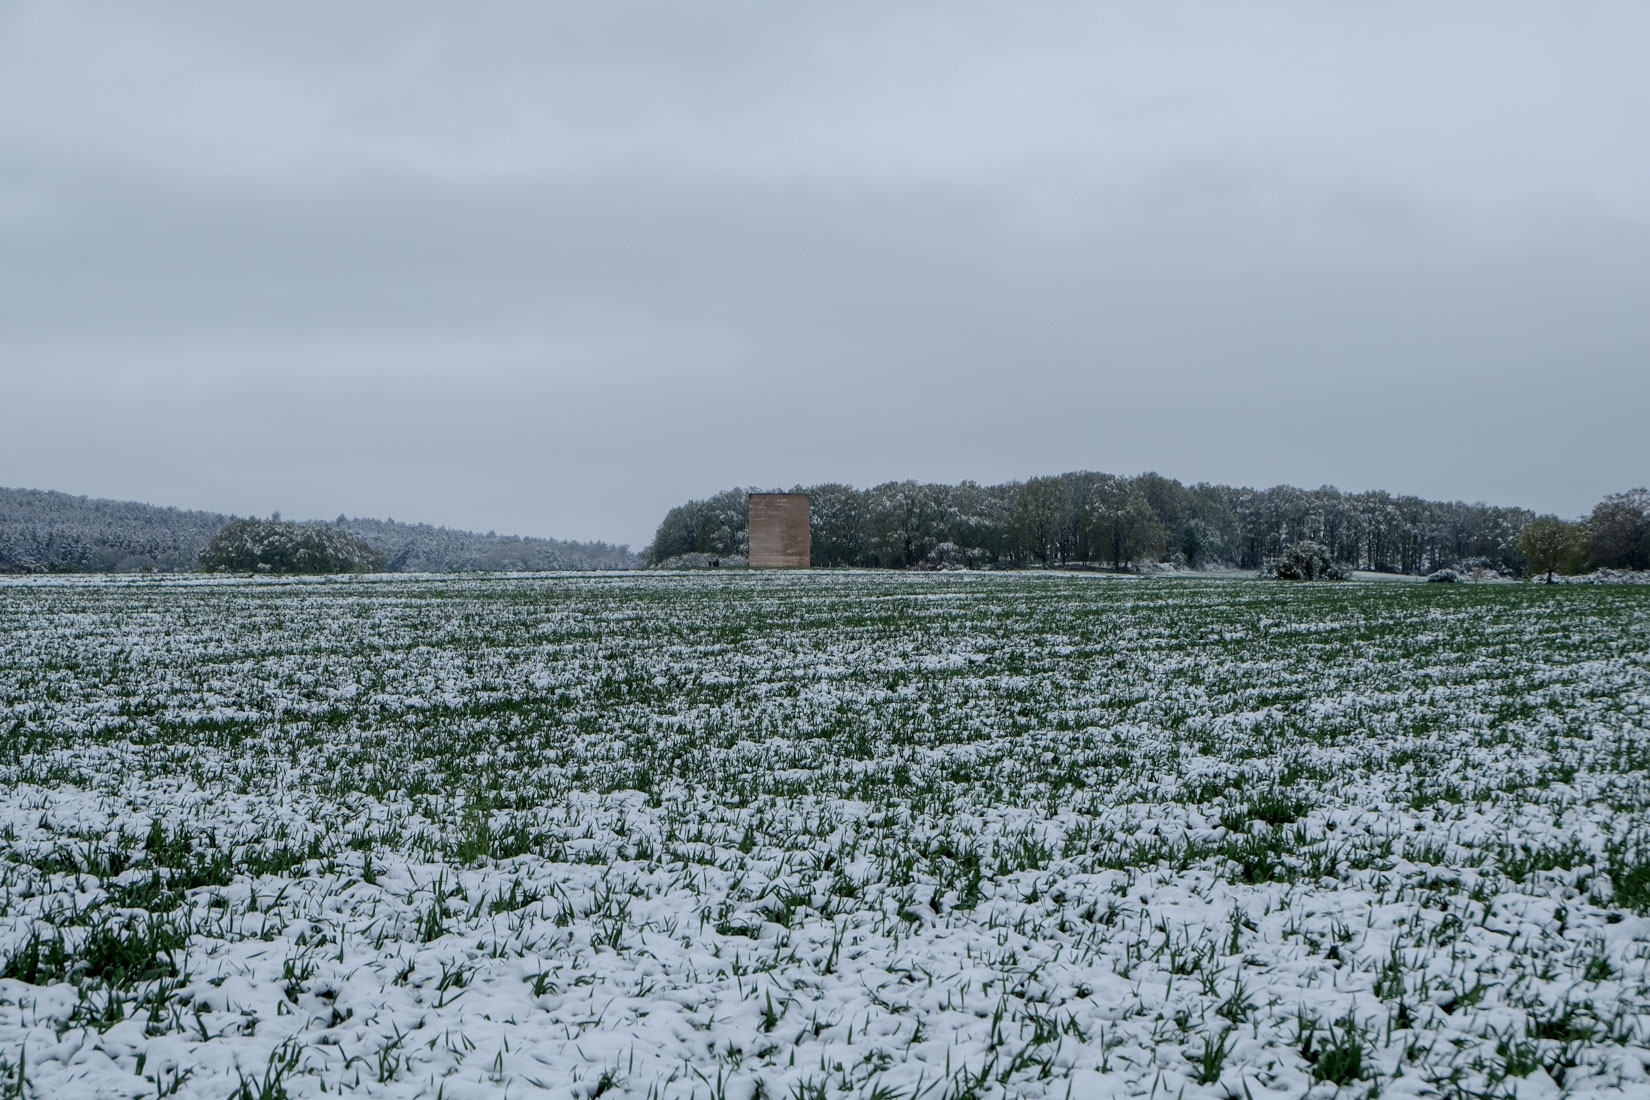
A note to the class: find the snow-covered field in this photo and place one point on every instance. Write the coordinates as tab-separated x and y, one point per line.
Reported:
805	836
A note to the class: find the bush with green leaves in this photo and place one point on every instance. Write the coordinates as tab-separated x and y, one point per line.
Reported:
1552	545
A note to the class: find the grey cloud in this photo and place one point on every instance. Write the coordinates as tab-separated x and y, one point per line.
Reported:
553	272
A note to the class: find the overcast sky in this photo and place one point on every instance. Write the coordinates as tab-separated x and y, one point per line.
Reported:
552	268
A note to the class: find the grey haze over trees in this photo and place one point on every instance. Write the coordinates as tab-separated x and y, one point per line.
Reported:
47	532
1088	517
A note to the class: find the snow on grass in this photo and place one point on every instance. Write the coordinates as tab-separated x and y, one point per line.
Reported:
804	836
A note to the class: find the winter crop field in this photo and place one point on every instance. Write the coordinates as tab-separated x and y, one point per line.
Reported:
823	835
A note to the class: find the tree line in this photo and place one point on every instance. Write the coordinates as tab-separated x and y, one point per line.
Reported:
1615	536
1120	522
50	532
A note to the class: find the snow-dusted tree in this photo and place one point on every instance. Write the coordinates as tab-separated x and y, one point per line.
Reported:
1042	508
1125	529
273	546
1305	560
1618	532
837	516
904	520
718	526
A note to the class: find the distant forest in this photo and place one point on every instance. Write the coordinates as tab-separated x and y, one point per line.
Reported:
47	532
1075	519
1112	521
